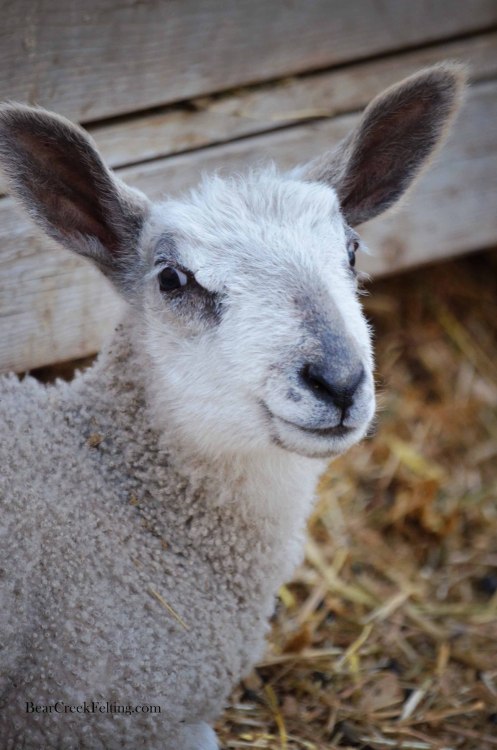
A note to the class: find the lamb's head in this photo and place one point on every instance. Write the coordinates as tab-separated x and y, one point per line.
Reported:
252	316
245	290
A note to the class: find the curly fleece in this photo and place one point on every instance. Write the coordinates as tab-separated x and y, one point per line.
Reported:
131	573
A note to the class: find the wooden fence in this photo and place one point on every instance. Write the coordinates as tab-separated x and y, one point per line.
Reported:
169	88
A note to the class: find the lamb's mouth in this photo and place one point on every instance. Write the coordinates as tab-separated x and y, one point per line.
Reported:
318	441
338	431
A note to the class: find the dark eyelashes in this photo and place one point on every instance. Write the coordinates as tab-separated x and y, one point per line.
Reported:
172	280
179	288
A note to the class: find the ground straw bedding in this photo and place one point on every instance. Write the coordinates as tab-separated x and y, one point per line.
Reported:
387	636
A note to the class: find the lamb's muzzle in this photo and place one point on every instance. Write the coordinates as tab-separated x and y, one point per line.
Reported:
330	403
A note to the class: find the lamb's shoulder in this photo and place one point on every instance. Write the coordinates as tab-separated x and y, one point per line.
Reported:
121	562
34	448
127	602
36	453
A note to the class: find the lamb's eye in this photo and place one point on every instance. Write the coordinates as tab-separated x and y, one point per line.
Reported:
352	247
171	279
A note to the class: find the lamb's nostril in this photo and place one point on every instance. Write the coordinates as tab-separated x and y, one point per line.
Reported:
314	378
332	385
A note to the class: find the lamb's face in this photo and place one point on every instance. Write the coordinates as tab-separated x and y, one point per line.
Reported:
252	318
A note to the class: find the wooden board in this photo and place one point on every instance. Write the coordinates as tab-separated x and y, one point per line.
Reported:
99	58
53	306
247	112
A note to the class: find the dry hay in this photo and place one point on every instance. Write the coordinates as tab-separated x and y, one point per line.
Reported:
387	636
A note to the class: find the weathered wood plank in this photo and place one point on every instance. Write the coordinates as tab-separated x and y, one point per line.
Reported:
247	112
99	58
54	307
212	120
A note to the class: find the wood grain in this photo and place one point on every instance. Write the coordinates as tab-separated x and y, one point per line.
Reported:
99	58
246	112
53	306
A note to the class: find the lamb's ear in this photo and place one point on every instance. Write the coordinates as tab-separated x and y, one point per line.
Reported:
55	170
396	135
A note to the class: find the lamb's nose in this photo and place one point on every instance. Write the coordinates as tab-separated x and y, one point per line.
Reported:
332	384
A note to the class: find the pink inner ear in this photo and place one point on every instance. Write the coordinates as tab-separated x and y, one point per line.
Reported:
379	160
57	173
68	183
72	217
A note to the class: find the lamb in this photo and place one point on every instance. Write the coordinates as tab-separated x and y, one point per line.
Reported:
152	507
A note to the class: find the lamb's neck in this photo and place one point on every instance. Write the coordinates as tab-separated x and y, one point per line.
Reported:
269	486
